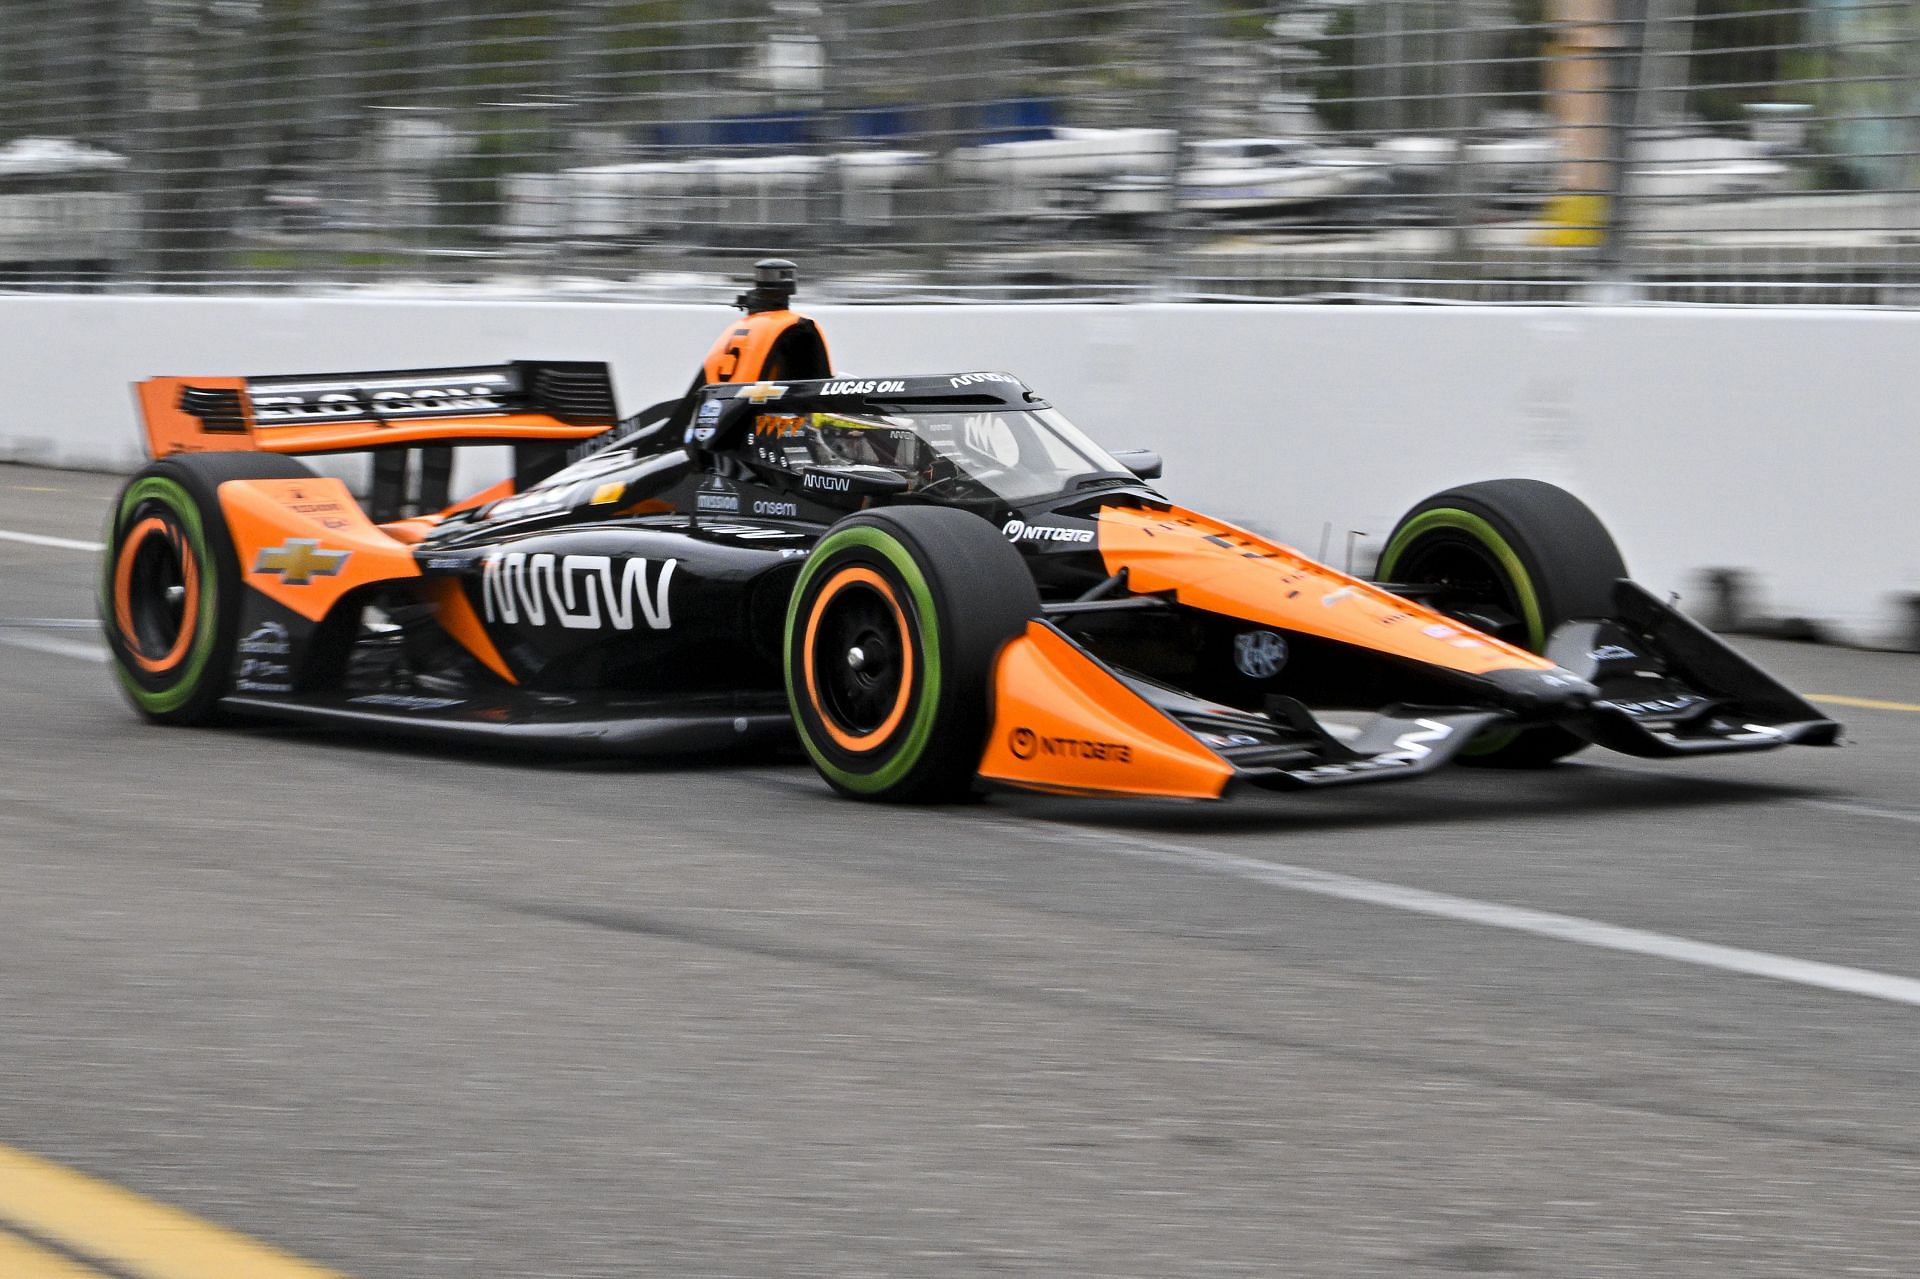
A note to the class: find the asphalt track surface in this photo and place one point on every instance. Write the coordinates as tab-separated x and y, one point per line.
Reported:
431	1013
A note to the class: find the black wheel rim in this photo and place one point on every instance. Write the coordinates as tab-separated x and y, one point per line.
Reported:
1473	585
857	657
157	592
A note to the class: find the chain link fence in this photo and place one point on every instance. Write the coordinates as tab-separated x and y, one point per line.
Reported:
1731	151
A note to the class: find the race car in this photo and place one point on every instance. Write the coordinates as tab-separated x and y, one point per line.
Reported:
936	584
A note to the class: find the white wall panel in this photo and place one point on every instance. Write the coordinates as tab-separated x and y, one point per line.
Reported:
1786	443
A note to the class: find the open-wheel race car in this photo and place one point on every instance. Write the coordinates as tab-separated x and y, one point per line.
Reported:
937	583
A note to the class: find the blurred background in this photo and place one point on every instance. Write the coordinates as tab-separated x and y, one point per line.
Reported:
1687	151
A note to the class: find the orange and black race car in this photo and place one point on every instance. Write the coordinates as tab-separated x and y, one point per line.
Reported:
937	583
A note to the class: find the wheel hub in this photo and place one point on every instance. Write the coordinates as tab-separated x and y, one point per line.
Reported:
152	592
861	670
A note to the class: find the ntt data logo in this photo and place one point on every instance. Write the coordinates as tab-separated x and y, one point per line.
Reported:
1021	531
1026	744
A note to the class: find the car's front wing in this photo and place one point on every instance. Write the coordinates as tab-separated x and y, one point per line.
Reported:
1649	682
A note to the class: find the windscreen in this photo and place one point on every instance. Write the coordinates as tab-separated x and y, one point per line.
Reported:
1014	455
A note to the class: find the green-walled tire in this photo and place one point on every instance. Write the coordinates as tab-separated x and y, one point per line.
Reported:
170	583
891	637
1522	555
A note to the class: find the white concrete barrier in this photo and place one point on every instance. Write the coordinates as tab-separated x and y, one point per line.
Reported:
1785	443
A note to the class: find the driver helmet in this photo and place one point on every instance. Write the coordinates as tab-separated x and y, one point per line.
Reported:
849	440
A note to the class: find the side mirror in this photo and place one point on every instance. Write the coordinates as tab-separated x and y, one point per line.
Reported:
1144	463
850	484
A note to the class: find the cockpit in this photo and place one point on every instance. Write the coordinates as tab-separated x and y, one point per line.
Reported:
1004	454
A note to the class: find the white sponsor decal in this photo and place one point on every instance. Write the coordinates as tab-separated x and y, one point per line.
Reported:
992	438
775	508
831	483
268	637
257	675
969	379
706	422
862	388
406	701
1611	653
1259	654
1656	706
1412	747
754	533
1021	531
1408	749
1228	741
411	402
580	592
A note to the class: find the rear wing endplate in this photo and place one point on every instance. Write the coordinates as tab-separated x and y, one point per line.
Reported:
521	402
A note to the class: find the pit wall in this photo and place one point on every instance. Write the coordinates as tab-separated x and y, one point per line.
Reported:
1785	444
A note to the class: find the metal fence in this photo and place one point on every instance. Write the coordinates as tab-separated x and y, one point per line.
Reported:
1745	151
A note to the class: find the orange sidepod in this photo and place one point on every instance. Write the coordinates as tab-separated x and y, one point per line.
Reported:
305	543
412	530
1212	565
1064	723
457	618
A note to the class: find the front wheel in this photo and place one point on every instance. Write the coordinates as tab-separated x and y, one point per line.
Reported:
170	586
1514	558
892	633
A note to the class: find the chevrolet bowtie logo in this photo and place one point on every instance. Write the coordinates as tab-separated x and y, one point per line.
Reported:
300	560
761	392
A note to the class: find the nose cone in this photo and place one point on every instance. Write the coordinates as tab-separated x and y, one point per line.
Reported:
1543	692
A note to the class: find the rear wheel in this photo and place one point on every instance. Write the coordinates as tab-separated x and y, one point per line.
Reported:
1514	558
891	637
170	586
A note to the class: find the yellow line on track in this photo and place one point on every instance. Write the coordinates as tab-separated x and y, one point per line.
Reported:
126	1231
1868	703
22	1260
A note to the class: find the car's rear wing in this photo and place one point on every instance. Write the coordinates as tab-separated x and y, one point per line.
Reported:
522	402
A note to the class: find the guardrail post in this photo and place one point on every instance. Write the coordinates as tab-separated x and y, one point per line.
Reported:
1459	54
127	21
1627	113
1582	96
1178	232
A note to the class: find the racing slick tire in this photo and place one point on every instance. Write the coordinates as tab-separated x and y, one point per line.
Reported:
170	585
892	633
1518	549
